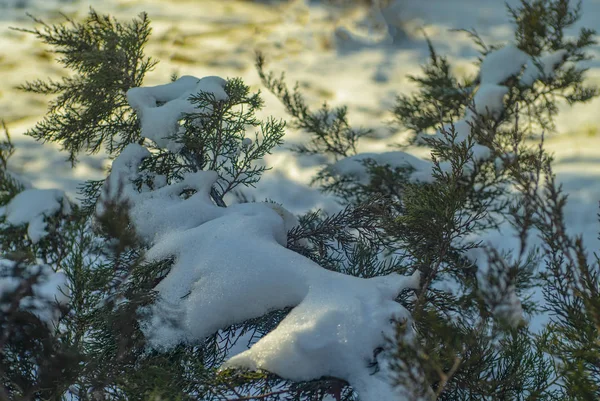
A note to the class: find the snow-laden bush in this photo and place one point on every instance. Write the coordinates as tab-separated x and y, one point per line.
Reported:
154	287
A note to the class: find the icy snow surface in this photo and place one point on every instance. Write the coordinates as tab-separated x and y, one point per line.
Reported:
231	264
32	206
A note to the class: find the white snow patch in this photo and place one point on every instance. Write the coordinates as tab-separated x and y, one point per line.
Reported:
161	107
488	99
355	166
542	67
499	65
32	206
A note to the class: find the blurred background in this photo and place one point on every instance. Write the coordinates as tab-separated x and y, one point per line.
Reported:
355	53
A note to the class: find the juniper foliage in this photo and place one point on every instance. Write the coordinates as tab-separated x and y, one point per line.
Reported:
465	349
460	344
90	109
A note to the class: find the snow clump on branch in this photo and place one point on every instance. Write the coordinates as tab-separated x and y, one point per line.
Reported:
231	264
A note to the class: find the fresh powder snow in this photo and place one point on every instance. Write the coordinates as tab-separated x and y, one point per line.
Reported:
499	65
542	67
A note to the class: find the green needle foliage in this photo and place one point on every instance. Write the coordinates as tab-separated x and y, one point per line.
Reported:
465	341
90	108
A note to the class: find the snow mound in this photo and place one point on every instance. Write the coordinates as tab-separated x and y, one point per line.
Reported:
160	107
32	206
231	264
321	338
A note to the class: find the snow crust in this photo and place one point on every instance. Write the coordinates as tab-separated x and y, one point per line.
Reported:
32	206
161	107
231	264
48	293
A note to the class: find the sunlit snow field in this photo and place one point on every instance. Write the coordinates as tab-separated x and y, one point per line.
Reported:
220	37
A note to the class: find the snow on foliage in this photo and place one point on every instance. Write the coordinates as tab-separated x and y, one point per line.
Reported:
499	65
32	206
489	99
161	107
355	166
231	264
40	290
496	68
542	67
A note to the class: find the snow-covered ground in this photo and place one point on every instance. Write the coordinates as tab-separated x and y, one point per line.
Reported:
311	43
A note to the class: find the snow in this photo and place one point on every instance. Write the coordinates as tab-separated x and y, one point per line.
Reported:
49	291
231	264
161	107
489	99
32	206
542	67
333	332
499	65
496	67
356	166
